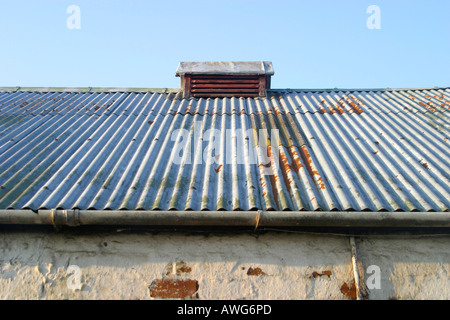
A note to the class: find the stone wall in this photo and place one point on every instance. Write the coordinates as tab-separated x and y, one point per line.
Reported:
119	264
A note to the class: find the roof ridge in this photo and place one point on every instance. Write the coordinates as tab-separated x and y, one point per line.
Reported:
89	89
355	89
169	90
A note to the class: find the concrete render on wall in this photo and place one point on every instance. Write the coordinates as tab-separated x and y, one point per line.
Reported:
273	265
412	268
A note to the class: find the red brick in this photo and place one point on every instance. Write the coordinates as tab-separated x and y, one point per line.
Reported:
172	288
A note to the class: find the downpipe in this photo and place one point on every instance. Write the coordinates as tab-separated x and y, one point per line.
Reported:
254	219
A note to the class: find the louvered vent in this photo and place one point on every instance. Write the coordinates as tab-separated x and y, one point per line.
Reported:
217	85
225	79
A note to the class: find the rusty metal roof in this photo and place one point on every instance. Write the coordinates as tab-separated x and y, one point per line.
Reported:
374	150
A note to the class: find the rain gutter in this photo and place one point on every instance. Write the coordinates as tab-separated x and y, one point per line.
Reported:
254	219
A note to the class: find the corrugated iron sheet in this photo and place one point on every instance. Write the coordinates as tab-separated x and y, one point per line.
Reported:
374	150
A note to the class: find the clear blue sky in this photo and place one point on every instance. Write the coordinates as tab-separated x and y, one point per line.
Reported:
312	43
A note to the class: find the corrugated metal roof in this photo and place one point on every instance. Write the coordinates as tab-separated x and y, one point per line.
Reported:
102	149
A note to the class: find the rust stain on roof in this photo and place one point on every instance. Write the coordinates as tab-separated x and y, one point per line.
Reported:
296	158
284	161
357	100
331	110
315	175
217	170
427	106
188	108
273	178
339	109
277	109
285	169
355	107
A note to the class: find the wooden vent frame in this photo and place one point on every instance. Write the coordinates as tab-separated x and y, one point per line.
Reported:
213	86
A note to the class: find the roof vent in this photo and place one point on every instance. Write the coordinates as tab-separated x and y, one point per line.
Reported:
225	79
